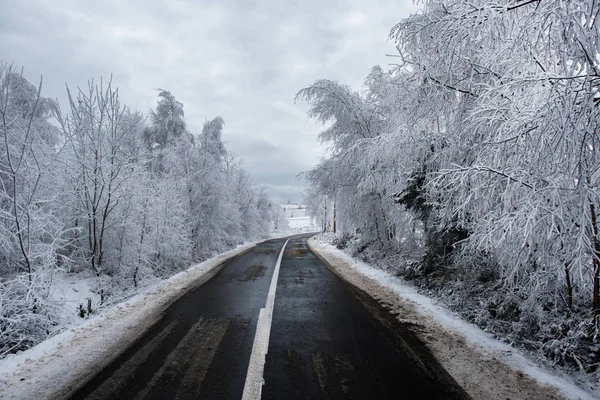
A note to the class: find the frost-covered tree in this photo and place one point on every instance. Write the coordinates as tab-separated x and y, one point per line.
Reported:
30	231
106	192
210	139
521	156
482	140
362	170
166	122
97	164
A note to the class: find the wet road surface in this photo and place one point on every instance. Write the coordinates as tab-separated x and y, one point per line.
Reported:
328	340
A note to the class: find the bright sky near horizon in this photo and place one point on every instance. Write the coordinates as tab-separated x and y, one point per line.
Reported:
241	60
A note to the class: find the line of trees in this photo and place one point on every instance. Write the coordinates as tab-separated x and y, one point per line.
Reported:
481	146
104	188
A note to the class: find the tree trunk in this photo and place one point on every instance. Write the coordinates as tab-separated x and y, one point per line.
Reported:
569	287
135	272
596	260
334	217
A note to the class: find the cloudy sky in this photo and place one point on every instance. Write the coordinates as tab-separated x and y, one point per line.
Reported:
241	59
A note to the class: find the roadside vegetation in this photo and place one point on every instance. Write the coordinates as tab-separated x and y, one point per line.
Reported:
472	168
100	190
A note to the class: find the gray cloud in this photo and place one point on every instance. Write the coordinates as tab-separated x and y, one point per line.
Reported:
242	60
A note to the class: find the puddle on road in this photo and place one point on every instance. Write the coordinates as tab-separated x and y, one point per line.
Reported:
267	251
298	252
253	272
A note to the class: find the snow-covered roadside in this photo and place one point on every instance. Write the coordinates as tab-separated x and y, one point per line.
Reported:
72	290
281	234
486	368
57	366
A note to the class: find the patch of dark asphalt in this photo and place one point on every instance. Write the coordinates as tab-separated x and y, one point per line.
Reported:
268	251
298	252
253	272
331	340
185	367
403	337
328	340
201	346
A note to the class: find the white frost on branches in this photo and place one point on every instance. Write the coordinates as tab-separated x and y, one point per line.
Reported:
101	188
483	141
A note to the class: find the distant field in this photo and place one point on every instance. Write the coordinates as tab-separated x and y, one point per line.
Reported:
297	218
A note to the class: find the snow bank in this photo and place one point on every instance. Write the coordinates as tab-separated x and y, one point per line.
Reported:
59	365
73	290
486	368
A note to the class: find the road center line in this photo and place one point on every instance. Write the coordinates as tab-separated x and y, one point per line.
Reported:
254	376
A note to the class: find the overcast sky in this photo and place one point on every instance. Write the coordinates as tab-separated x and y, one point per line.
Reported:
241	60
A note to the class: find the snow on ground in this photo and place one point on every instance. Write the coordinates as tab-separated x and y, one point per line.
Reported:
73	290
294	210
486	368
298	220
303	224
57	366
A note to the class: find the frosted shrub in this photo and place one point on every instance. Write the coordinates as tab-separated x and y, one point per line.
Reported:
27	316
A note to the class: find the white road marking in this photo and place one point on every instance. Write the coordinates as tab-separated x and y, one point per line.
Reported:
254	377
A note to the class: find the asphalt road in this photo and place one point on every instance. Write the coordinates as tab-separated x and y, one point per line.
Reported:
328	340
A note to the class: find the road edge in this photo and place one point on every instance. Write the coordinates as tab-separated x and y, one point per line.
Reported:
403	309
406	339
156	316
57	373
